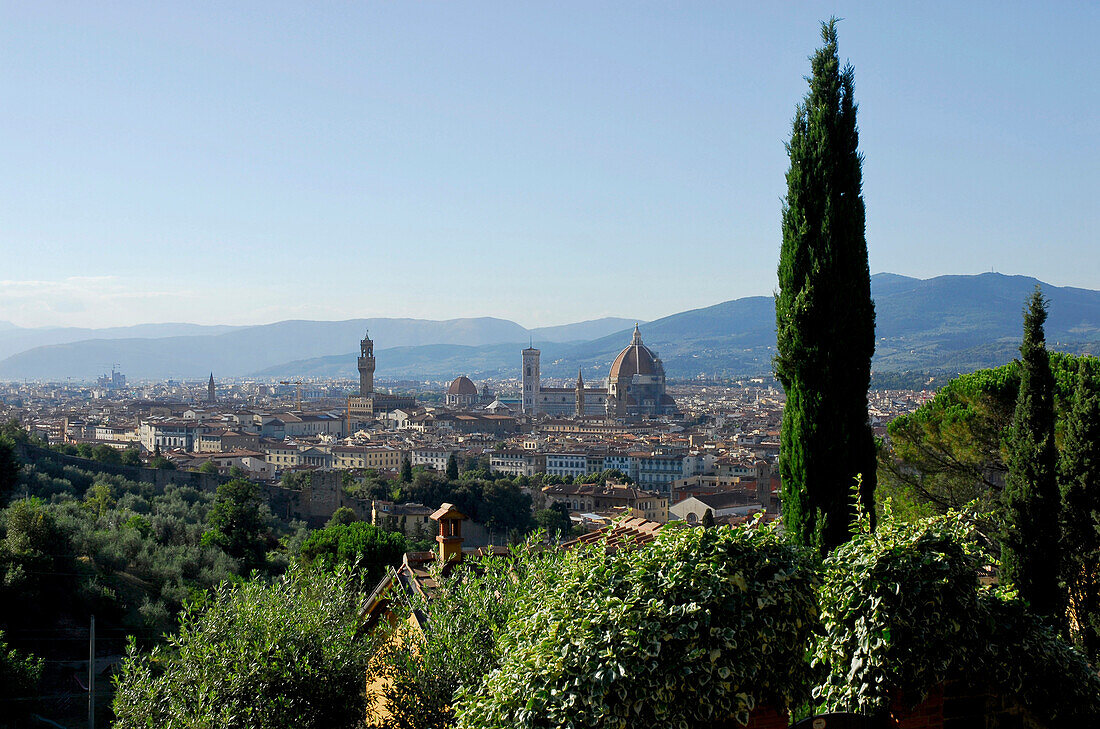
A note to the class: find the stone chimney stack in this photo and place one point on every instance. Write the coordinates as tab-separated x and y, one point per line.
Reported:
450	532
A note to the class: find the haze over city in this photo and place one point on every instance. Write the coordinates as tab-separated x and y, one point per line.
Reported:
255	162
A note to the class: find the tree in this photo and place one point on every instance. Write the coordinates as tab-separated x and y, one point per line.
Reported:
363	545
260	655
208	467
99	499
406	469
19	677
10	468
106	454
1030	543
825	319
343	515
1079	481
708	518
131	457
554	520
237	524
452	468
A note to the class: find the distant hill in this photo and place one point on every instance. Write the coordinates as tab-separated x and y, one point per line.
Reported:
235	351
943	324
948	323
14	340
582	331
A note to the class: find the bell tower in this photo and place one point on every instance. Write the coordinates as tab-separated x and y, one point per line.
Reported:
580	394
366	367
530	378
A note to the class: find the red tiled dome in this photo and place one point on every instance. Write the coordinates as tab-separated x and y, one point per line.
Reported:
462	386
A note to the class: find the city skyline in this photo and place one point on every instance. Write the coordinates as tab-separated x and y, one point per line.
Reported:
258	163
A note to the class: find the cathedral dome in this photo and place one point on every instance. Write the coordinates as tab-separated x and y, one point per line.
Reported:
462	386
636	359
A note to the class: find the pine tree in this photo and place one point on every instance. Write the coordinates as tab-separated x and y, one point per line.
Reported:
708	518
1030	544
1079	477
825	319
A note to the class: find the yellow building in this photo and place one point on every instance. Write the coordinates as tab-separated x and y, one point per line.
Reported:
380	458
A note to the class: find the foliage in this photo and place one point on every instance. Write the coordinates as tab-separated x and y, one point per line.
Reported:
285	654
130	457
238	524
699	626
1030	548
104	544
10	467
500	503
342	515
19	677
406	469
825	319
903	610
452	467
948	453
208	467
425	669
1079	482
554	520
162	463
369	548
370	484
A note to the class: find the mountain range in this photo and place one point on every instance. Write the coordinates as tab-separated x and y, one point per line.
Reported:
942	324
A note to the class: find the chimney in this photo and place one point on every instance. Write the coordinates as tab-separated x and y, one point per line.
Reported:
450	532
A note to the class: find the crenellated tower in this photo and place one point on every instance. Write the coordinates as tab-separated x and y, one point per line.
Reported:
366	367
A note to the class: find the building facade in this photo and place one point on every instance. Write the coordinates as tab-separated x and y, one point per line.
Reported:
635	387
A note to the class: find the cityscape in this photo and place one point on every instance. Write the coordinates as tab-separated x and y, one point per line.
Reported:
572	366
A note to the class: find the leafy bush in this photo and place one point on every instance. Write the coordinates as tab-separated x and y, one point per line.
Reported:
453	645
699	626
259	655
19	677
903	610
358	543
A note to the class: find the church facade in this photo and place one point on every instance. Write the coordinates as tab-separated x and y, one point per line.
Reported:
635	387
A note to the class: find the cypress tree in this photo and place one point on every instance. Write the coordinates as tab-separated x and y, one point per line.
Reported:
1030	544
406	470
452	468
1079	477
825	319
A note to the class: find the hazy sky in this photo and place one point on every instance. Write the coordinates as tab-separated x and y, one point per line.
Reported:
548	162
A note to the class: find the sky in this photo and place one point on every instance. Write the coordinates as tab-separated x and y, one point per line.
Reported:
239	163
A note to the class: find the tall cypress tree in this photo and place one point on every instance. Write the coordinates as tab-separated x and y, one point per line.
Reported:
1079	480
825	319
1030	544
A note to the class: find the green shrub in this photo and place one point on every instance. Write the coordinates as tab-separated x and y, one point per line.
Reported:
359	543
453	646
903	611
698	627
259	655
